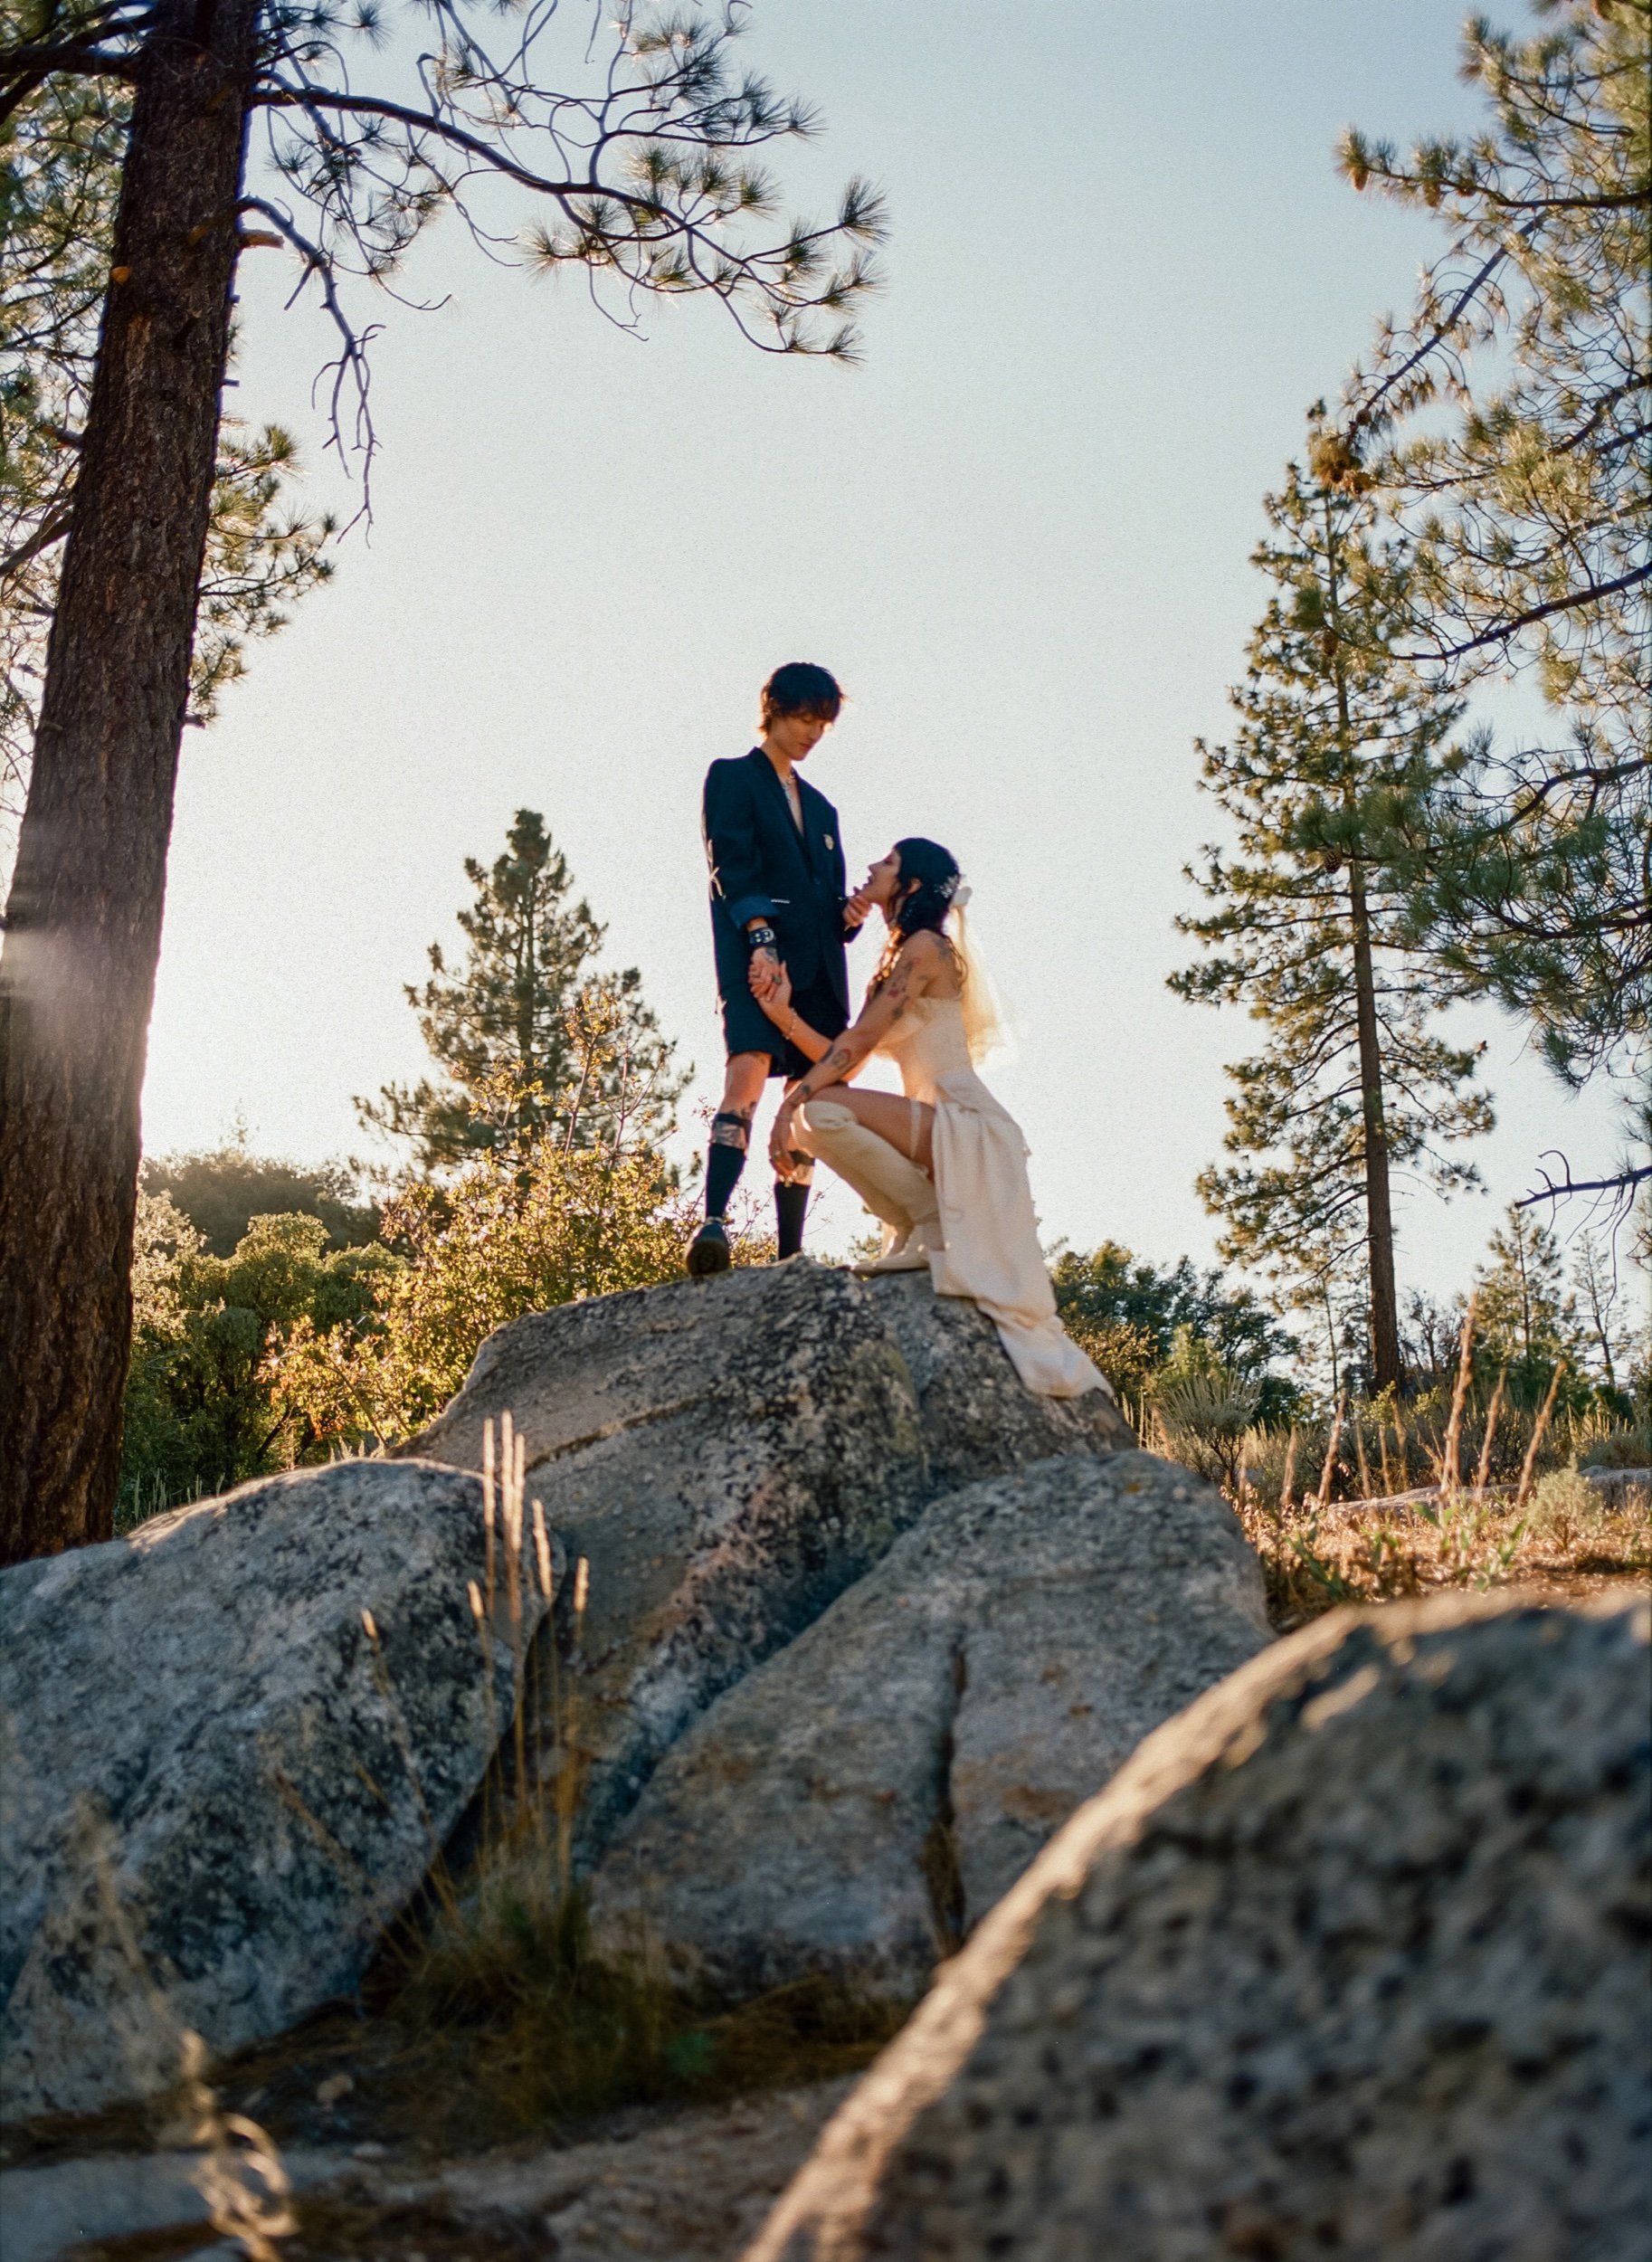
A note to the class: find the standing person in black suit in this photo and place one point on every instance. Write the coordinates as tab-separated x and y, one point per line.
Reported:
778	900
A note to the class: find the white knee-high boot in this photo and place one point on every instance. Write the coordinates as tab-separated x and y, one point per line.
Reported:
895	1190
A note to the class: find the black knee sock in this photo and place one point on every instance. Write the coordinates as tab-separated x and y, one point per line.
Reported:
790	1203
725	1160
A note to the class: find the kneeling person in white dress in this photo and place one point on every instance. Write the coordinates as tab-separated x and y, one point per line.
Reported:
944	1168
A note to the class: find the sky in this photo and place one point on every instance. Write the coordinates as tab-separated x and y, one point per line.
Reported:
1123	265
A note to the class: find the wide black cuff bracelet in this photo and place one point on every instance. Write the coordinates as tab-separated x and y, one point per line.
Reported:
760	937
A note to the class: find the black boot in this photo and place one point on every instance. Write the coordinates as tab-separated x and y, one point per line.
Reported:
708	1251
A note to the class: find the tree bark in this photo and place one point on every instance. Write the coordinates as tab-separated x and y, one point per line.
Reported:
1378	1208
83	924
1385	1370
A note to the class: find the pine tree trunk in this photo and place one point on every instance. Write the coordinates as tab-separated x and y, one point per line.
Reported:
83	924
1378	1208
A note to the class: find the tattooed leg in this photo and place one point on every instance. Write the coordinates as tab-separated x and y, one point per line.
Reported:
731	1132
709	1251
731	1128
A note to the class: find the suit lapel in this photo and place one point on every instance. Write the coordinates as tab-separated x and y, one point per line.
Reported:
778	792
816	842
818	821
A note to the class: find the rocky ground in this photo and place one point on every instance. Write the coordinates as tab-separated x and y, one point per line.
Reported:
864	1670
660	2184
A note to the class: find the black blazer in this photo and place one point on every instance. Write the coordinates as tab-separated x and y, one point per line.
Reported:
762	867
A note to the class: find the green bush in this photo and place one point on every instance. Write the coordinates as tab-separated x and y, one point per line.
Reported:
221	1190
200	1415
1565	1506
510	1235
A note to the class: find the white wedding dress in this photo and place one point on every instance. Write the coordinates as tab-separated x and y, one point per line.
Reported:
987	1219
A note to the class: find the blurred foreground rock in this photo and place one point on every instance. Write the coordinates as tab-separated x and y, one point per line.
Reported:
215	1796
859	1801
1350	1958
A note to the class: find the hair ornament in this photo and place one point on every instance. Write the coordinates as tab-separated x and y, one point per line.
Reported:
959	892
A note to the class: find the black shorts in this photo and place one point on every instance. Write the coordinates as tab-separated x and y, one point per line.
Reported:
746	1028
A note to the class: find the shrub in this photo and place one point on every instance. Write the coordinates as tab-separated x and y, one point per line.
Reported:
221	1191
510	1234
1204	1408
1565	1506
199	1414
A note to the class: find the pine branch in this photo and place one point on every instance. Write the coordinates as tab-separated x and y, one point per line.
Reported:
1501	632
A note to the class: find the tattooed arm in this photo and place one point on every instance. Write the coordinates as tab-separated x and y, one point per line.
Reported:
777	1003
910	978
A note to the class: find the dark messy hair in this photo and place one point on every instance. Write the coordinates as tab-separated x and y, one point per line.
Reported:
923	911
799	687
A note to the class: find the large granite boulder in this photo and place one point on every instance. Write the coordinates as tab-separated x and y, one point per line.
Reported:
217	1790
857	1803
219	1793
728	1457
977	1419
1349	1959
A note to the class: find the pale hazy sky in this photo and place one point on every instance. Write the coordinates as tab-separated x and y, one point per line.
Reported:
1123	265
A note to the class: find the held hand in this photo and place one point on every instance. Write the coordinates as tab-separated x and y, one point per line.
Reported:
766	972
774	997
780	1142
857	910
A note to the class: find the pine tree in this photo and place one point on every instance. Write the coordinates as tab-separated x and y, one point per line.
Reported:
1339	752
60	181
1523	1318
1600	1304
643	166
1504	425
1127	1314
531	1038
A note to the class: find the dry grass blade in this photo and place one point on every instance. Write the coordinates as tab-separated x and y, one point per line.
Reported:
1329	1470
542	1552
514	1468
242	2177
1483	1473
1402	1446
1449	1479
1288	1481
570	1773
1528	1467
488	1487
